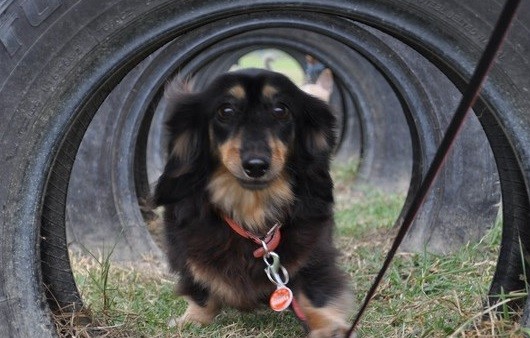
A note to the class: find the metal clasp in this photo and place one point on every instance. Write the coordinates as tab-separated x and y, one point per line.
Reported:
276	273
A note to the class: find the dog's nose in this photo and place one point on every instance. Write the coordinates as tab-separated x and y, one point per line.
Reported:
255	167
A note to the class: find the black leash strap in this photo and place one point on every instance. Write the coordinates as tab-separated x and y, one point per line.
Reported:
468	99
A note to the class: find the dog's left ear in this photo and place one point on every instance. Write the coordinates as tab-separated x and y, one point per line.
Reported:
317	132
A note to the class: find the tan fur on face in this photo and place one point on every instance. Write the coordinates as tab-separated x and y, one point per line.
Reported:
279	154
255	210
238	92
230	156
269	91
328	321
229	152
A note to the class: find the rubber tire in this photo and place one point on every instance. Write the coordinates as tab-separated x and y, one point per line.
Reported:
386	151
59	60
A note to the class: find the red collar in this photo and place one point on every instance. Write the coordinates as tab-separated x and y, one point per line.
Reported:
267	244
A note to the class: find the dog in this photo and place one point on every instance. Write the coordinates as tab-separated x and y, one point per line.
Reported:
250	153
323	87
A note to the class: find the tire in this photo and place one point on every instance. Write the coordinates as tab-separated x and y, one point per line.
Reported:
59	61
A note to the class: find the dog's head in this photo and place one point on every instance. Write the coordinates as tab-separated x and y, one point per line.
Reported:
252	128
249	124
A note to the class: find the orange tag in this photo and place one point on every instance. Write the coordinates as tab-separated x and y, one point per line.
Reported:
281	298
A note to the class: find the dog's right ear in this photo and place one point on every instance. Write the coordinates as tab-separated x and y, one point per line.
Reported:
187	132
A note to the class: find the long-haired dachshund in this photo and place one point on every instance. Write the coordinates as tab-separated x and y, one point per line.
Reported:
248	201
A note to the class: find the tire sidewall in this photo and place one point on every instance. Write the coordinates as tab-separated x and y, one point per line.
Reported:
56	54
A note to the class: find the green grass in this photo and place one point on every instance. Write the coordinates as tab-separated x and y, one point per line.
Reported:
135	302
422	295
427	295
282	63
370	211
140	302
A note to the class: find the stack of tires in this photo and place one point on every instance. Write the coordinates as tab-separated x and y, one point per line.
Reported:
81	112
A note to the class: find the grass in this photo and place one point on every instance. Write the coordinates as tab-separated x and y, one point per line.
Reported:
371	210
141	303
423	295
427	295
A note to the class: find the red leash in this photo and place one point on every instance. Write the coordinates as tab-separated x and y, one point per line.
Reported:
469	97
267	246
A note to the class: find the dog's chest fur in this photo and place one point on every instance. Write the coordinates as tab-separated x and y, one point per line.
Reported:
224	263
255	210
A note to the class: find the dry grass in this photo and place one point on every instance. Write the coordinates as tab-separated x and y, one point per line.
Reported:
423	295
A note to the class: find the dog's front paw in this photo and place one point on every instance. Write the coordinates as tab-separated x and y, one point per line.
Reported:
195	314
186	318
338	330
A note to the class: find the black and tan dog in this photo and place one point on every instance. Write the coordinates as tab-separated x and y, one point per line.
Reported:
253	150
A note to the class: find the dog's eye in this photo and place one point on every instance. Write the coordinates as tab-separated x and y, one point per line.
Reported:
225	112
280	112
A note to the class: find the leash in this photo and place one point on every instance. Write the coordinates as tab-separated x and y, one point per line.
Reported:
282	297
468	99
